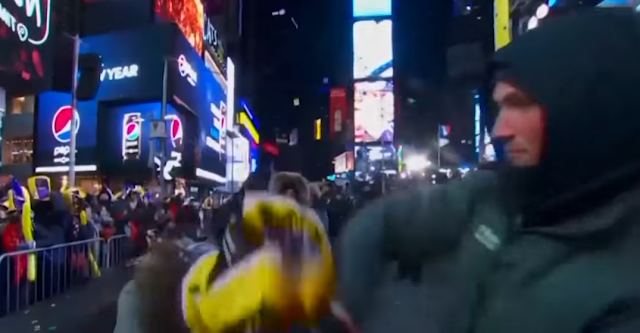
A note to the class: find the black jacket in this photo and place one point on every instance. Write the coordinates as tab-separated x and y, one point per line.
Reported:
550	249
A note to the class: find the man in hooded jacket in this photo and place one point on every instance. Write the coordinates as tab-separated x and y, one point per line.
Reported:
550	243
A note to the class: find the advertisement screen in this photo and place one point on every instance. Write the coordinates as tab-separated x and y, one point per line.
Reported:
372	50
53	134
373	113
196	90
127	147
188	15
26	41
366	8
371	160
238	159
132	62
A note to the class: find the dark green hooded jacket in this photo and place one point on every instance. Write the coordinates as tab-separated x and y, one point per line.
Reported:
552	249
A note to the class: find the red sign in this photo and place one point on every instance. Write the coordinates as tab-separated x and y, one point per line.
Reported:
337	111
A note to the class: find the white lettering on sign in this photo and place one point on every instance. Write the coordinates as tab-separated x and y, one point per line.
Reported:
61	154
174	161
186	70
210	33
32	8
119	73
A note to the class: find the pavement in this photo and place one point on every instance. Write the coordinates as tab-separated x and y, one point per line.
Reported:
90	308
397	306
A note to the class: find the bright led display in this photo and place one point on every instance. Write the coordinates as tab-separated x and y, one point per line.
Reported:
373	113
368	8
372	50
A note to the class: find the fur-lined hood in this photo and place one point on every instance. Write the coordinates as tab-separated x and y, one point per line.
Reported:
283	181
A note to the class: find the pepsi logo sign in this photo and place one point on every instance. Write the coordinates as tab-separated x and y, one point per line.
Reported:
61	130
175	134
187	71
61	124
132	132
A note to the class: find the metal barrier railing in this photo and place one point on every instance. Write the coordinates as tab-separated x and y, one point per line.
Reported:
56	269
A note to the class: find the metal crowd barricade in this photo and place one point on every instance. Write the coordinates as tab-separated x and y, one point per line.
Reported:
58	269
117	250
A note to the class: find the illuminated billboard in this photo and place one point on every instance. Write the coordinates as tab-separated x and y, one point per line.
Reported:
188	15
372	49
369	8
53	130
26	41
373	112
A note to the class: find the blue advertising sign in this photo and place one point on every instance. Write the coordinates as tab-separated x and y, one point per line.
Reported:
133	62
200	93
53	133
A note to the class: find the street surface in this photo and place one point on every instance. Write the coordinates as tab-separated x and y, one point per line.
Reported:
90	308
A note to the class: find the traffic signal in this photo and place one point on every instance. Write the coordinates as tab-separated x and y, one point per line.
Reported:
89	70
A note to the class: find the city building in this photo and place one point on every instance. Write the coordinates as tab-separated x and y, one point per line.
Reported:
188	41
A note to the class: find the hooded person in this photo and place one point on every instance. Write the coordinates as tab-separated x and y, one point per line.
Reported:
292	185
548	243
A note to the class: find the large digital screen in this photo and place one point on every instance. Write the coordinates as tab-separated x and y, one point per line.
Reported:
132	62
26	41
371	160
196	89
368	8
372	50
53	133
127	147
373	112
188	15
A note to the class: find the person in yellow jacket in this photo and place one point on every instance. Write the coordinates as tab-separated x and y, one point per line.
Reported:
284	277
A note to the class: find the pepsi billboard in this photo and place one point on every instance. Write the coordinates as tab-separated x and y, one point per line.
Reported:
53	133
130	149
197	91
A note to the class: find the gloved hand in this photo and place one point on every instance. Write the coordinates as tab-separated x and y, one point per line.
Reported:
288	278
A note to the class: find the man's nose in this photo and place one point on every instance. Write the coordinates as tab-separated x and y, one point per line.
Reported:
502	128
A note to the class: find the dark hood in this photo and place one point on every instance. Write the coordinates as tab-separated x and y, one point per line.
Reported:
585	72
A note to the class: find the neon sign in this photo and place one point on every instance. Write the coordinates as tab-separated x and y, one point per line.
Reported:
248	124
26	34
187	71
119	73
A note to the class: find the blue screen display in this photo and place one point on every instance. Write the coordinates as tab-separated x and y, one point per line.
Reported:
370	8
53	131
200	93
132	62
127	132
